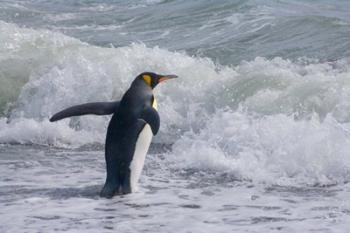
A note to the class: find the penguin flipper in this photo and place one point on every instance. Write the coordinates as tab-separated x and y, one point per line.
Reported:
97	108
151	116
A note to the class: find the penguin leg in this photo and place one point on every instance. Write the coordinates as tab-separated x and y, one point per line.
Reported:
112	184
110	189
126	186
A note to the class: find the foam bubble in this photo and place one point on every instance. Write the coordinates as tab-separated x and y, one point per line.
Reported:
271	149
266	120
29	131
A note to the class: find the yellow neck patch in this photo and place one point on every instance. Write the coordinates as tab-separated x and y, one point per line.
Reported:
154	104
147	79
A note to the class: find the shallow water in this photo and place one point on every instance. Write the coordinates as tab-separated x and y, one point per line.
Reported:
254	137
47	189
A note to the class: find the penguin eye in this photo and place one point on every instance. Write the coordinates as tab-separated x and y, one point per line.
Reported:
147	79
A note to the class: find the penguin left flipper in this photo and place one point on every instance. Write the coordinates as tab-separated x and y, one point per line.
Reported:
97	108
151	117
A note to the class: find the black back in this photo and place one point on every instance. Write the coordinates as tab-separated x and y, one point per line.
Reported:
122	133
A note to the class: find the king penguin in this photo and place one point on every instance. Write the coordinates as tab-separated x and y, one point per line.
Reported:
134	121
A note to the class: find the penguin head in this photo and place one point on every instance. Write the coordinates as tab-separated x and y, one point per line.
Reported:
152	79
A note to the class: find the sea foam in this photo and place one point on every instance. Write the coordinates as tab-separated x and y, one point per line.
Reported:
266	120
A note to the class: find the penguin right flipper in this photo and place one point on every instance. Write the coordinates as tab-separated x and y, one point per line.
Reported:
97	108
151	117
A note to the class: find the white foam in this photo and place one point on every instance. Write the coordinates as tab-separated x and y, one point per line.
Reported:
269	120
273	149
29	131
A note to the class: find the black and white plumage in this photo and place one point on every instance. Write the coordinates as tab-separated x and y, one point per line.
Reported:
134	122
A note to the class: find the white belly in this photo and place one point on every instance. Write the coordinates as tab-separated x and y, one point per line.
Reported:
142	144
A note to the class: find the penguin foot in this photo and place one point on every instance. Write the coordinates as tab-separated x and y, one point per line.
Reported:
125	189
109	190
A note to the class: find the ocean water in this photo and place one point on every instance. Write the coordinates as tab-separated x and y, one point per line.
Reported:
254	137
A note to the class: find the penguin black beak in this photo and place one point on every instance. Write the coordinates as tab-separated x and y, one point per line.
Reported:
166	77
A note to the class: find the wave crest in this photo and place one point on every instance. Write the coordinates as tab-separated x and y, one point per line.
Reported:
264	120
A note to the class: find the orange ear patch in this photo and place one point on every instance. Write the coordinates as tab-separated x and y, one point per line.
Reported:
147	79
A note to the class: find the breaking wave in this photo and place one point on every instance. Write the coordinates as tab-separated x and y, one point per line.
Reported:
267	120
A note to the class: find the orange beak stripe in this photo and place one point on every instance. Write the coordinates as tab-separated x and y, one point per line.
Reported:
163	79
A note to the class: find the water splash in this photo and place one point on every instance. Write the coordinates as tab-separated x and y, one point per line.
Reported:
266	120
